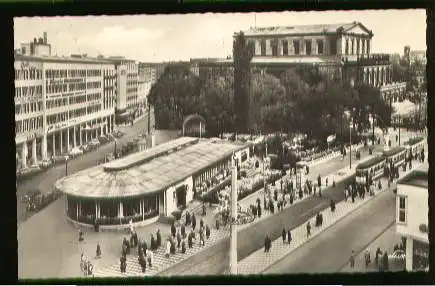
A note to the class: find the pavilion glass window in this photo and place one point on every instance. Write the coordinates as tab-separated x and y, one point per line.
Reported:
263	47
131	207
88	208
108	208
320	47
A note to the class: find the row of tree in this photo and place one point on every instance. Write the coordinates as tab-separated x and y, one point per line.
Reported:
252	101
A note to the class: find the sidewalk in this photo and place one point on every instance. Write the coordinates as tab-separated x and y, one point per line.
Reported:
259	261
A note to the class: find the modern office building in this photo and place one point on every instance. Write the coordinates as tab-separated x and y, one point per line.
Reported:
412	217
60	102
145	185
126	86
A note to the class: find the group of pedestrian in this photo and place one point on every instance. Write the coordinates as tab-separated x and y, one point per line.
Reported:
381	259
286	236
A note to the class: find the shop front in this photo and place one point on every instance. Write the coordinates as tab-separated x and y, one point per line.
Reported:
420	255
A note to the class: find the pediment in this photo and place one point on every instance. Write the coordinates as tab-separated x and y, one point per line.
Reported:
358	29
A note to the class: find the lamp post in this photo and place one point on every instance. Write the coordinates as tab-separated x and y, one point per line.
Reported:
399	126
233	245
350	144
66	165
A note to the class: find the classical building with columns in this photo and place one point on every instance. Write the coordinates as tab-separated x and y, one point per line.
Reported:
61	103
145	185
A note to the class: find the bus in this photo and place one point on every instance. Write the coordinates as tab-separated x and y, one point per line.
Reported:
414	146
396	156
372	167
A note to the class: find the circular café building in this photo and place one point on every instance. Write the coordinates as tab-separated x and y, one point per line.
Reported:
142	186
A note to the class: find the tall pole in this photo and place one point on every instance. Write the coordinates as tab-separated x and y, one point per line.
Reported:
149	119
350	148
373	127
341	132
233	246
399	128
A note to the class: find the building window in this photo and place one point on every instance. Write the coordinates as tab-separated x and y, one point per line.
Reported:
285	48
274	46
263	47
320	47
296	47
308	47
251	47
346	48
402	209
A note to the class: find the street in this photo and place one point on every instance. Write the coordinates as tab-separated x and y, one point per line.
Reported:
330	251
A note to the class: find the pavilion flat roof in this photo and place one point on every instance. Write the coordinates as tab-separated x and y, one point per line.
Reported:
153	176
417	178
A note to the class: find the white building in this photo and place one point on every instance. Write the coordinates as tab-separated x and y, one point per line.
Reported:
412	218
60	103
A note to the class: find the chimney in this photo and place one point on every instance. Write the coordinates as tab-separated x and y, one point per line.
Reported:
45	37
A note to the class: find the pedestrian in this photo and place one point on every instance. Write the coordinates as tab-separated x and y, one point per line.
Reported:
289	236
207	231
204	211
98	252
367	257
168	248
173	229
284	233
81	235
190	240
178	239
377	255
320	192
201	239
201	223
188	219
352	259
326	181
385	261
193	221
183	246
159	239
150	256
319	181
267	244
259	211
308	229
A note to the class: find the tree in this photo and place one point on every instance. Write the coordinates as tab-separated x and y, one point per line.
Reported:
174	95
370	101
294	85
216	99
242	55
267	103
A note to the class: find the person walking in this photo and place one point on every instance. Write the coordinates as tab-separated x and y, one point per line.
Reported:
352	259
207	232
193	221
173	229
159	239
178	239
308	229
284	233
98	252
289	236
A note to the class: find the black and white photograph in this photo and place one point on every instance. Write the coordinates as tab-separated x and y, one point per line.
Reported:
221	144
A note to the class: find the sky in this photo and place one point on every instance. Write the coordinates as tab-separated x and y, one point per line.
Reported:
156	38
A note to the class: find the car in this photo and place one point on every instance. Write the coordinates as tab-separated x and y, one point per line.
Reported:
84	147
75	152
94	142
397	255
45	163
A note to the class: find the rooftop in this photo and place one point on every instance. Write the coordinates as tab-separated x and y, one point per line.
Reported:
61	59
146	172
393	151
370	162
304	29
417	178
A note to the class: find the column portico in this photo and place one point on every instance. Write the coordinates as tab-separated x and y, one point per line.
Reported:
44	147
24	155
61	142
120	210
67	140
54	144
74	136
34	155
80	135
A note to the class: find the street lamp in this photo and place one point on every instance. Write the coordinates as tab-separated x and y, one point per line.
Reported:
66	165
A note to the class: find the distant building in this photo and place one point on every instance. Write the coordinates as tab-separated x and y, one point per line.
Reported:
412	218
38	47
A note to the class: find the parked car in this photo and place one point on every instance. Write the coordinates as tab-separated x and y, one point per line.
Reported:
397	255
84	148
75	152
46	163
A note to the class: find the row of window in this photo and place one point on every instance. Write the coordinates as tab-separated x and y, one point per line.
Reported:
28	125
296	47
59	102
27	108
132	90
55	73
28	74
28	91
71	114
57	118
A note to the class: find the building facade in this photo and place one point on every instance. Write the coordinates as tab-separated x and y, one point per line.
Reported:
412	218
60	103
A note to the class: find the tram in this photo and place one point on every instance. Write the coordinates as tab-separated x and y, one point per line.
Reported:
372	167
395	156
414	146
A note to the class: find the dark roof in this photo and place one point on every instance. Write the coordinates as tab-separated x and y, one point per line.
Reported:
304	29
393	151
414	140
370	162
416	178
61	59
